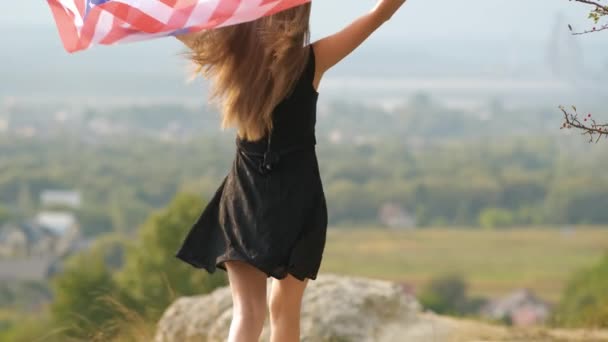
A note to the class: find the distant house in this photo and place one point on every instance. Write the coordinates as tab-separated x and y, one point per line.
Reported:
25	239
105	127
335	136
60	197
50	234
521	307
60	222
408	288
394	216
33	249
28	269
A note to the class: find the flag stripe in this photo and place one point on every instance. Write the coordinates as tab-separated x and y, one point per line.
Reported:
88	30
180	15
117	33
284	5
65	24
248	11
224	10
83	23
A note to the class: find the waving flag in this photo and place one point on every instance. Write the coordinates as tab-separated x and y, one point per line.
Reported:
83	23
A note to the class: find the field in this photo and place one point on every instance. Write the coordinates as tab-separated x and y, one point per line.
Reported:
493	262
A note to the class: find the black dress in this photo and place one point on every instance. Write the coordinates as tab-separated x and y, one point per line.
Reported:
270	209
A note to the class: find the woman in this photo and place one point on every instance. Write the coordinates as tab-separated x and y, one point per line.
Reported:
269	217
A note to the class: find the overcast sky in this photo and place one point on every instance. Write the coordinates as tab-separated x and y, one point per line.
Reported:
419	19
433	36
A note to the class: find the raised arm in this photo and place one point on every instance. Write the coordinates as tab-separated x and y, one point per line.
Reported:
332	49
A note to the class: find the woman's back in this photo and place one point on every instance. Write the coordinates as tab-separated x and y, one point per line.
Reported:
294	118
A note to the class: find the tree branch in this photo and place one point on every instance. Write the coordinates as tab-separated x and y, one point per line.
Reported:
595	29
593	3
588	124
600	10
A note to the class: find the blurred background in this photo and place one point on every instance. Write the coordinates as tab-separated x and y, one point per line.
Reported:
441	154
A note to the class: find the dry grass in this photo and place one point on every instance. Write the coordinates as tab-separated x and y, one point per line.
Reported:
462	330
492	262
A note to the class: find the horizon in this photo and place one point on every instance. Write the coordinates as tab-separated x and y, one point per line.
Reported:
422	49
416	19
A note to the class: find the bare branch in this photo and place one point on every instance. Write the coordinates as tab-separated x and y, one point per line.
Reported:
600	10
594	3
595	29
588	125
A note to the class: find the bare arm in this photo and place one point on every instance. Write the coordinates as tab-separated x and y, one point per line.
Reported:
332	49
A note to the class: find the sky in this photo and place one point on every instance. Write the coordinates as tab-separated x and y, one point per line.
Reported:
466	38
424	19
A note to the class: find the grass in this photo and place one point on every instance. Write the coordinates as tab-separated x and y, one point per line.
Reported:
493	262
465	330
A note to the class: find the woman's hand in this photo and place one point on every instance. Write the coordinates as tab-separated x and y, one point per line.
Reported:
386	8
332	49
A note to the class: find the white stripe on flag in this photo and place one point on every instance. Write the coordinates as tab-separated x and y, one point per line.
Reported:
103	27
248	11
153	8
202	12
71	6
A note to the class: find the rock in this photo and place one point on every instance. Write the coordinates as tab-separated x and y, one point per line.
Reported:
347	309
335	308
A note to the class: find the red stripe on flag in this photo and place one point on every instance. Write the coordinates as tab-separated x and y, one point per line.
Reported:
135	17
88	30
284	5
266	2
170	3
181	15
80	4
117	33
65	25
225	10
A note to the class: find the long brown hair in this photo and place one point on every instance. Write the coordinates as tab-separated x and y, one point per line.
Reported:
253	66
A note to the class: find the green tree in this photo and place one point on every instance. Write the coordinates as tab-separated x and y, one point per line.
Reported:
28	328
585	299
152	275
495	217
447	294
80	307
25	200
4	216
94	220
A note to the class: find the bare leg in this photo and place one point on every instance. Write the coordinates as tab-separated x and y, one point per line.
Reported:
285	307
248	286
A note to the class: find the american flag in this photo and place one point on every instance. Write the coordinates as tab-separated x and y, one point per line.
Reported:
83	23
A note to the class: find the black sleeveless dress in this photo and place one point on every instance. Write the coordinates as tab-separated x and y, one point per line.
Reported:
270	209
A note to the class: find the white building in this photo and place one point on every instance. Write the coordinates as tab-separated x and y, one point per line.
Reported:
391	214
70	199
